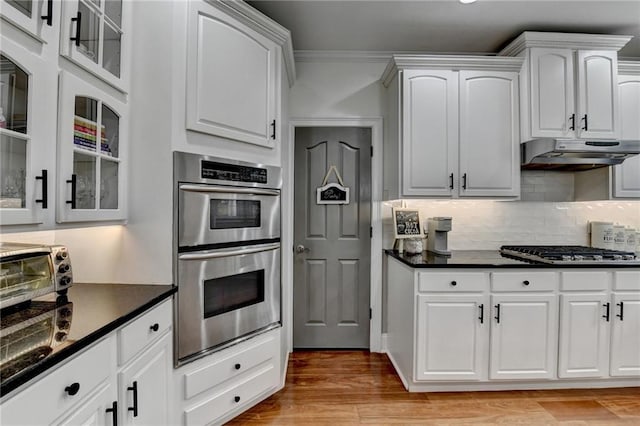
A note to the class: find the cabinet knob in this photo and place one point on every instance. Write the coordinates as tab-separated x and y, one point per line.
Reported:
154	327
72	389
237	366
525	282
453	283
236	398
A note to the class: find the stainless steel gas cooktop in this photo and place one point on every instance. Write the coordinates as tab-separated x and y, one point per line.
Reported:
570	255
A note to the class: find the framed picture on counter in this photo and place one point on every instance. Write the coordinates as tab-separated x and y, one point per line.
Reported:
406	223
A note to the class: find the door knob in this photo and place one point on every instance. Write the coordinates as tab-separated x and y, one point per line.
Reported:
301	249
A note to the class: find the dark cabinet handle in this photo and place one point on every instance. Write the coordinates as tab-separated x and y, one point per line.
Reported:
73	183
451	181
72	389
273	129
154	327
621	314
481	317
586	127
525	282
45	195
78	21
572	119
237	366
114	412
497	317
464	181
236	398
606	306
49	16
454	283
134	389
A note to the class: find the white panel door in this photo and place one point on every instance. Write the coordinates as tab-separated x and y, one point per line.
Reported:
626	176
489	144
452	335
430	133
597	94
584	335
524	335
625	337
552	93
232	78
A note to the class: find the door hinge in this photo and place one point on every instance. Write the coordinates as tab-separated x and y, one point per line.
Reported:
371	231
370	313
372	151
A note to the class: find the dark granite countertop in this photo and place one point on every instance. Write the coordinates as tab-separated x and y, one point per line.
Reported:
482	259
93	311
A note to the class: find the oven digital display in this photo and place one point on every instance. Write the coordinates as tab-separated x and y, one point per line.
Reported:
233	292
233	214
233	172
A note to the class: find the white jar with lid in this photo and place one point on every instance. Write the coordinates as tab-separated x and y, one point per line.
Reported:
630	234
601	235
619	238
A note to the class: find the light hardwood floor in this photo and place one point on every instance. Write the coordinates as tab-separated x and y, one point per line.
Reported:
356	387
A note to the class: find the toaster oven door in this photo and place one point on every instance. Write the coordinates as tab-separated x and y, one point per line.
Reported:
23	278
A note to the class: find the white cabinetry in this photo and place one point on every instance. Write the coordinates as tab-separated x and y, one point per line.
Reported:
569	84
449	117
233	78
38	18
625	322
91	388
626	176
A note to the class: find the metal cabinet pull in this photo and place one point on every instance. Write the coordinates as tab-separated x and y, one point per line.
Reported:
72	389
236	399
464	181
621	314
49	16
237	366
273	129
154	327
451	181
45	183
134	389
572	119
586	127
481	317
454	283
73	183
497	317
525	282
78	21
607	309
114	412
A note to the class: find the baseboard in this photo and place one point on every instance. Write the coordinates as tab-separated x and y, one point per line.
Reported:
383	343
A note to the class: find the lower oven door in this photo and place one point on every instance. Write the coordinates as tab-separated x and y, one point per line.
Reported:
225	296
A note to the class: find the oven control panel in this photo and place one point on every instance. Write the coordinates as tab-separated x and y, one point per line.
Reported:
233	172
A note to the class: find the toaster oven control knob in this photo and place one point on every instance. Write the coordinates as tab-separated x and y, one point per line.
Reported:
62	255
64	268
64	325
64	313
60	336
65	281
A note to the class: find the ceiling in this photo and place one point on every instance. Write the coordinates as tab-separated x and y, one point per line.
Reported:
446	26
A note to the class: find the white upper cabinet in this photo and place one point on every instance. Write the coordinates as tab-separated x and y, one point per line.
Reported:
92	166
38	18
452	133
95	35
27	148
233	78
626	176
569	87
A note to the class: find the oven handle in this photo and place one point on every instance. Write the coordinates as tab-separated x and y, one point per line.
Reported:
214	254
228	190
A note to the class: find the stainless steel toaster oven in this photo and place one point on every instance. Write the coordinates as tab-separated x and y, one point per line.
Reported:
28	271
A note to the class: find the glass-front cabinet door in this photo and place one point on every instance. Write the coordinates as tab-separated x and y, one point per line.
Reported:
38	18
95	35
27	135
91	153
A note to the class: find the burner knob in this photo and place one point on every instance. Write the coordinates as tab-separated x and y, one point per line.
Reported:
629	257
566	257
598	257
64	268
578	257
62	255
60	336
617	257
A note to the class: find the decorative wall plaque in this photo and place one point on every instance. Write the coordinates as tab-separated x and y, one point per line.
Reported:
332	193
406	223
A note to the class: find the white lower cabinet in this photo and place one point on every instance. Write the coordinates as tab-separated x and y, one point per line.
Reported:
93	411
625	334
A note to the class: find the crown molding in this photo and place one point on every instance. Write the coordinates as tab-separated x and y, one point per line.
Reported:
258	22
629	67
449	62
564	40
343	56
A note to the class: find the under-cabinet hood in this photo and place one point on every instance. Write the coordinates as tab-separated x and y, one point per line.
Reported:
576	154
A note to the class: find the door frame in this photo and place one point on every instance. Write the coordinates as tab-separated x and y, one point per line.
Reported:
287	235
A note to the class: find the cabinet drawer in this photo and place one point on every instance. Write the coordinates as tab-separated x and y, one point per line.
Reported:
41	404
456	281
584	280
143	331
232	362
626	280
524	281
232	397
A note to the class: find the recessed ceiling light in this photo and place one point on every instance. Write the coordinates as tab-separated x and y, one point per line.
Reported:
467	1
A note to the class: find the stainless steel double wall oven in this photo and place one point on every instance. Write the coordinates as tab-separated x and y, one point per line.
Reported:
227	243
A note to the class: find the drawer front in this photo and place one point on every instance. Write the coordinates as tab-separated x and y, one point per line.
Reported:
584	281
452	281
239	392
42	403
143	331
232	362
626	280
524	281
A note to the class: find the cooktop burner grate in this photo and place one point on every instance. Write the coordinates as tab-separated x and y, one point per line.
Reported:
569	254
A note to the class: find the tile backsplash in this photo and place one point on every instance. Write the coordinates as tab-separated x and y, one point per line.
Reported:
486	225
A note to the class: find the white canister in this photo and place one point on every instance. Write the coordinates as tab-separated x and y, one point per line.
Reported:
637	243
619	237
602	235
413	245
630	234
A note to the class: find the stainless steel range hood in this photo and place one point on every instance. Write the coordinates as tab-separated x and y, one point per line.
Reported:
575	154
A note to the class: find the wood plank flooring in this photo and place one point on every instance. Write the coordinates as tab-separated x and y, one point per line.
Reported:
357	387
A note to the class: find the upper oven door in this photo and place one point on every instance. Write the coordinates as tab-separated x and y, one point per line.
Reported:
210	214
